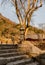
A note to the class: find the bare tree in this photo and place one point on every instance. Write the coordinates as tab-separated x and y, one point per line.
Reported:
25	9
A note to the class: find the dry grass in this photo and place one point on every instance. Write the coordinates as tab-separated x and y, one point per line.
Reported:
10	31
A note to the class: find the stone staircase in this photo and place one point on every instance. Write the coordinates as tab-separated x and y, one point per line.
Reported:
10	55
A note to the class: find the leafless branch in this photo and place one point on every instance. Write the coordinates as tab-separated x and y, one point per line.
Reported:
31	6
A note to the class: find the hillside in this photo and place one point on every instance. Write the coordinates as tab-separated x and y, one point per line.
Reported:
10	31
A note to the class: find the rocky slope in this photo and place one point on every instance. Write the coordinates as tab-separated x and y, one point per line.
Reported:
10	32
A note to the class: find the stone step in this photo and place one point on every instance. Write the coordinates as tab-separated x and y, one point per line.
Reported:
11	54
8	46
4	61
8	50
21	62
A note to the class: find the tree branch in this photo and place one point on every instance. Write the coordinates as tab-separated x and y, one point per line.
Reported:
18	12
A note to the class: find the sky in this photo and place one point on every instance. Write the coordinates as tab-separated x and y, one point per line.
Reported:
8	10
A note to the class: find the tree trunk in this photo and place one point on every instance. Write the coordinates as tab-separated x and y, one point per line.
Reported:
22	31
